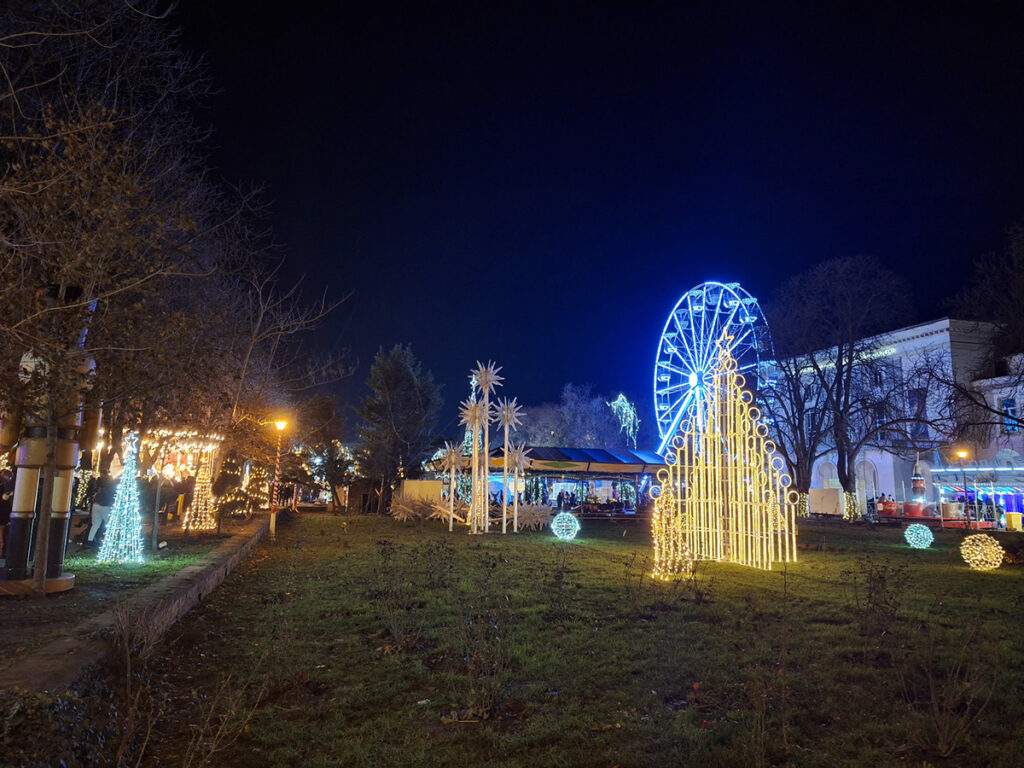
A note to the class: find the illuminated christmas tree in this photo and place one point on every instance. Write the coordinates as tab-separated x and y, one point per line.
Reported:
231	496
200	516
256	487
724	495
122	543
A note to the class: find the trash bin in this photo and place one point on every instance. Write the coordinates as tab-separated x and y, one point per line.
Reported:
1013	521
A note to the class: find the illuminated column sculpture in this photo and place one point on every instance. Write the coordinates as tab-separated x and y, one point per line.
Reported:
487	379
724	495
508	417
517	458
471	414
452	461
199	517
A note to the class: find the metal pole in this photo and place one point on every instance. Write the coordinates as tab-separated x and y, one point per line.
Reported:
967	508
273	501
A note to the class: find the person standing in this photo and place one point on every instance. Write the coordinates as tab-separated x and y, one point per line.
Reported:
102	501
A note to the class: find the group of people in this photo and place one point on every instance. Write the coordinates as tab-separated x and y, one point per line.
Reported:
565	499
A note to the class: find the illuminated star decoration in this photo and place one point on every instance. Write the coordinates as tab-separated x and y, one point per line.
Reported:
981	552
919	536
471	413
122	543
508	413
487	379
565	526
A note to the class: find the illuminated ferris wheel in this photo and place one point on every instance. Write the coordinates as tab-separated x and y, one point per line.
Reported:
688	348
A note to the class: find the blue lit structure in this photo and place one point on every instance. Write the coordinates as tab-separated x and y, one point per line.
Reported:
687	350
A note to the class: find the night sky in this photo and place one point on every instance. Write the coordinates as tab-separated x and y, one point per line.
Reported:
537	183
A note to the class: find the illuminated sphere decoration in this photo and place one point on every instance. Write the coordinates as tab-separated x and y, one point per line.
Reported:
981	552
565	526
919	536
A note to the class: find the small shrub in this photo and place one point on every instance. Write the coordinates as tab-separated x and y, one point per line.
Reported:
947	684
878	590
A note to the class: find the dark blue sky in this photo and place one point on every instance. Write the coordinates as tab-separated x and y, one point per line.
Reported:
537	183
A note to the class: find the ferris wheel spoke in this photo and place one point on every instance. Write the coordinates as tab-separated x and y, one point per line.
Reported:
669	367
689	346
682	335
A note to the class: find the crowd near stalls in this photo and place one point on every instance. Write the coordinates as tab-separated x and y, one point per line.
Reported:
591	482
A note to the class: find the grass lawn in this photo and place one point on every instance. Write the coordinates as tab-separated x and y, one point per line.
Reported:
365	642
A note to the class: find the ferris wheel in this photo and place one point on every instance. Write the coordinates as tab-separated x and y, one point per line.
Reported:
687	350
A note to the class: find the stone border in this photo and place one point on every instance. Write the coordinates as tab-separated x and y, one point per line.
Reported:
55	666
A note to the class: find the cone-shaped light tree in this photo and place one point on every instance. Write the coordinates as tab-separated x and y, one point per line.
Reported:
508	416
487	379
200	516
122	542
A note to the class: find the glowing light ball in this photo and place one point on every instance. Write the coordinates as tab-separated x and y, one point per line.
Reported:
565	526
919	536
981	552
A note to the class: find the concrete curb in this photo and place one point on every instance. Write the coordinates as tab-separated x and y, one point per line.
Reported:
55	666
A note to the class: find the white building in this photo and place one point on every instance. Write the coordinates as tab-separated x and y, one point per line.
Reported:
956	350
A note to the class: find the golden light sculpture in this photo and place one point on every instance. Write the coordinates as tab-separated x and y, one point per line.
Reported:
981	552
199	516
724	495
672	557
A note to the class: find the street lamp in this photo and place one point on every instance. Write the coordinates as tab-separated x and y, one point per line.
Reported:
962	454
279	425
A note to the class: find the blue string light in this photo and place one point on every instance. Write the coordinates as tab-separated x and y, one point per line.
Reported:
122	542
919	536
565	526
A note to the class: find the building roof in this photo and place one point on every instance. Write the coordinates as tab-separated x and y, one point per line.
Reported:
594	460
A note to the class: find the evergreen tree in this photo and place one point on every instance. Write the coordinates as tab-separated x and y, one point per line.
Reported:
398	416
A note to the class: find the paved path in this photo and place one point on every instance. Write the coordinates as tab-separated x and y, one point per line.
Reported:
55	666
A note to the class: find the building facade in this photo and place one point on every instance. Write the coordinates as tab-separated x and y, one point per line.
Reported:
926	360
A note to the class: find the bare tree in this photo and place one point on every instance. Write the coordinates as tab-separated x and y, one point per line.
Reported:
827	322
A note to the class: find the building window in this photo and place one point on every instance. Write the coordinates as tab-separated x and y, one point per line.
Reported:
918	403
881	419
1008	406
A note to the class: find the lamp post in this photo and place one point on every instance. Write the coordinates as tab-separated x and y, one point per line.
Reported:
279	425
961	454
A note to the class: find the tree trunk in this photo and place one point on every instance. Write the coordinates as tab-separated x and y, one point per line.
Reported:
46	504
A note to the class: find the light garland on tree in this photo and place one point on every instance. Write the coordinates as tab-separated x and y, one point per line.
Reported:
122	543
233	498
919	536
565	526
199	516
625	412
981	552
851	510
726	497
